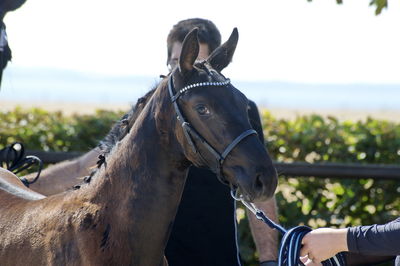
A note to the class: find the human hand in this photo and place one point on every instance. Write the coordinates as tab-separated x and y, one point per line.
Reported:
323	243
306	261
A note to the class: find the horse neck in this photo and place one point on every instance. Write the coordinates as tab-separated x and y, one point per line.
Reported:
143	179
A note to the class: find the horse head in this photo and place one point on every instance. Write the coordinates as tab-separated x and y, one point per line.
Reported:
213	127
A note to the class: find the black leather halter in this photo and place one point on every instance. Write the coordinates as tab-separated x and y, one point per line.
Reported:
192	134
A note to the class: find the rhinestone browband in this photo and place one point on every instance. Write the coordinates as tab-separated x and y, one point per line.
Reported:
200	84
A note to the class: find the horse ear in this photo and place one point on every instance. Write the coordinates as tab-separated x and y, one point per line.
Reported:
222	56
189	53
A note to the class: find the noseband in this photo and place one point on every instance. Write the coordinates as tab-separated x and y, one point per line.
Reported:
191	133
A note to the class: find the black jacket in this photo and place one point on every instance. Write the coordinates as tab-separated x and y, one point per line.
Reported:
374	242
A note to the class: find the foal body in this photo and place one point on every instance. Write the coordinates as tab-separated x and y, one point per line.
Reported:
107	221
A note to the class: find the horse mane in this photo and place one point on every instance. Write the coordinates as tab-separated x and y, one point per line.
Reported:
122	127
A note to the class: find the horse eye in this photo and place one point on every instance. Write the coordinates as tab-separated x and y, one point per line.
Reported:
202	110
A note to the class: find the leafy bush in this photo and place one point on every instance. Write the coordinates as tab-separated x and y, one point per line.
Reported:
52	131
331	202
304	200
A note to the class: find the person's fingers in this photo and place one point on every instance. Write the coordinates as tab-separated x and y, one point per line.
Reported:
317	261
305	239
304	259
309	263
304	251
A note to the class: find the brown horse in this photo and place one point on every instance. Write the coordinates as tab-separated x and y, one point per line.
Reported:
123	216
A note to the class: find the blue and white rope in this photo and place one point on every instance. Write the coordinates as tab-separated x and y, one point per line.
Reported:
289	252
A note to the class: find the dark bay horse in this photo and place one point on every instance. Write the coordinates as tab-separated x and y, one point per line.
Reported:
123	216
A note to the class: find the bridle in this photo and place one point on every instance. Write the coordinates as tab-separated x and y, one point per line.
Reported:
191	133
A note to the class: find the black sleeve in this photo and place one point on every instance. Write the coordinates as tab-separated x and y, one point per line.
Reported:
380	240
356	259
255	120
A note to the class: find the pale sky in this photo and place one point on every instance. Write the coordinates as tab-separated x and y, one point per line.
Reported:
280	40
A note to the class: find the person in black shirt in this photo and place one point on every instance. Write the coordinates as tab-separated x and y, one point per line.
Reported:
366	245
204	230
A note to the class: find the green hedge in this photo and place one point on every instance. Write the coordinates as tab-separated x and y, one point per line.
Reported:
332	202
52	131
311	201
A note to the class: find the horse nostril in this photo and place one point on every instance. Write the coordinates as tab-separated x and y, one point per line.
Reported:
258	183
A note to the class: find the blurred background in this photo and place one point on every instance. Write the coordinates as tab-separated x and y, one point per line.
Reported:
293	57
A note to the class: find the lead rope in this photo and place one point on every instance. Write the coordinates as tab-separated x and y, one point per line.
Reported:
235	222
289	252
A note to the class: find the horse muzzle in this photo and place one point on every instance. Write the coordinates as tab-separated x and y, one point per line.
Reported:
254	186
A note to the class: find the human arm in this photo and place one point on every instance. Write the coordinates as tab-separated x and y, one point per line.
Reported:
353	259
377	240
324	243
265	238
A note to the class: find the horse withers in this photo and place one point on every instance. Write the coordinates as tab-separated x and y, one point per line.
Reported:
123	216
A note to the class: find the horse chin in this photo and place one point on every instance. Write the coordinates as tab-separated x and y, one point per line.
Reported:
249	197
240	193
248	194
